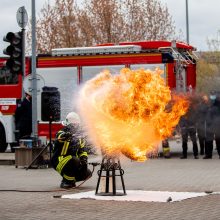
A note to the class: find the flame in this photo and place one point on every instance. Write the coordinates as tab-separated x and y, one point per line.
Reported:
129	112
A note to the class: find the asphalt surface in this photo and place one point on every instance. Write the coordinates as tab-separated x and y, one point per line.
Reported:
41	201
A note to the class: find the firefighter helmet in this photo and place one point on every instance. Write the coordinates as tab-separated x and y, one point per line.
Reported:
71	118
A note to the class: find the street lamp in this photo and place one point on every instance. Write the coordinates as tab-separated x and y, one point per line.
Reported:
187	23
34	78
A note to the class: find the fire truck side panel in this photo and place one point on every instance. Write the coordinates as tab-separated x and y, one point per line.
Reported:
94	60
171	77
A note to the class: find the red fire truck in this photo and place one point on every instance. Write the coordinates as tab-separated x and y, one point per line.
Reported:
67	68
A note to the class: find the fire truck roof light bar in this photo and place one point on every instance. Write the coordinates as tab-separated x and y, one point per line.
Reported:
96	50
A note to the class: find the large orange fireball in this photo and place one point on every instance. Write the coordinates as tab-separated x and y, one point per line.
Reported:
130	112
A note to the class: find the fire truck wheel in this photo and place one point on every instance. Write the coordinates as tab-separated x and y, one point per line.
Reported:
3	144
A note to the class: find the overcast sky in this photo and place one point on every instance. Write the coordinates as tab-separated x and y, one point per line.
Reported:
204	19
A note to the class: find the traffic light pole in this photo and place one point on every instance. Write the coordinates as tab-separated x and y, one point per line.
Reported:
34	77
23	58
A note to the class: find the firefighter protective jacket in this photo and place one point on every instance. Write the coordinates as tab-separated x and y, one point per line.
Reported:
69	143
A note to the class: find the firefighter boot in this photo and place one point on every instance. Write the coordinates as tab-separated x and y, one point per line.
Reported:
185	147
67	184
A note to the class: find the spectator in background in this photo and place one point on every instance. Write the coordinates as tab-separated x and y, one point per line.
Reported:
23	117
216	123
202	110
187	126
209	129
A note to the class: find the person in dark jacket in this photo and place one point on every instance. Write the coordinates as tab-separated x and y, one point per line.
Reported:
216	123
23	118
187	126
70	152
202	110
209	131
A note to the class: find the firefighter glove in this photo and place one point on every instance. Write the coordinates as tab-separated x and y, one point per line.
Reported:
67	135
83	162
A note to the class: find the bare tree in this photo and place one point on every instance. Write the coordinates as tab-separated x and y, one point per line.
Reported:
101	21
214	43
147	20
208	66
207	75
56	26
127	20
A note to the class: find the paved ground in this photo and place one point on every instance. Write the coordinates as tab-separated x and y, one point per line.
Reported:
159	174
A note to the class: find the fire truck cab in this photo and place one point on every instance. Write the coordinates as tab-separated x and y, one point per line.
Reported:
68	68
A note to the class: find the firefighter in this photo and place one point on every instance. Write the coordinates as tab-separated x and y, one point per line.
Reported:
166	148
69	152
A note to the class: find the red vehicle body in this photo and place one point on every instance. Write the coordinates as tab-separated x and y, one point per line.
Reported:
67	68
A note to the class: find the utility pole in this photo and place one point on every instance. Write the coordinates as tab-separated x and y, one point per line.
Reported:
187	23
34	78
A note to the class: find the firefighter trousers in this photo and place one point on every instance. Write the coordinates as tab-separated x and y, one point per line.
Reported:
71	169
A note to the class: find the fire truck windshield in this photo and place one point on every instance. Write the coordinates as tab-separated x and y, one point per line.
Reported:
7	77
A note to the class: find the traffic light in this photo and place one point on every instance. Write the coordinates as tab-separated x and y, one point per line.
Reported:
14	51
